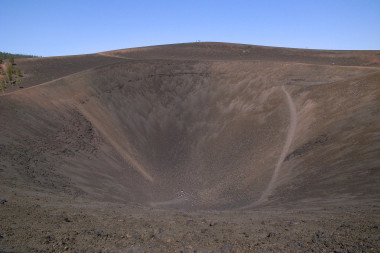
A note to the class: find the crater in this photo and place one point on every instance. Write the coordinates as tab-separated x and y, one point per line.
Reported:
191	134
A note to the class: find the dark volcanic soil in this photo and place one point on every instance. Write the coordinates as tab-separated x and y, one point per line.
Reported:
203	147
51	224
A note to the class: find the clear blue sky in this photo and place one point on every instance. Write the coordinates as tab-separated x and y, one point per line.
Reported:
64	27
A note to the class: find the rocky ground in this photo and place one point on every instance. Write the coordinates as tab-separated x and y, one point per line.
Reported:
39	223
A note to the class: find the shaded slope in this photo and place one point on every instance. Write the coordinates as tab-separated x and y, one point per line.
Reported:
196	134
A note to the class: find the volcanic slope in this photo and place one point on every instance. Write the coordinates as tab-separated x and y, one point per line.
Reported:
198	126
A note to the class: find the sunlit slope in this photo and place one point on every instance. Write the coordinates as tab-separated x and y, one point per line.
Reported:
195	134
232	51
43	69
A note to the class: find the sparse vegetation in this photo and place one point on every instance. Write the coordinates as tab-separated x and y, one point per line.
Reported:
10	71
11	60
2	85
10	75
5	55
18	80
18	72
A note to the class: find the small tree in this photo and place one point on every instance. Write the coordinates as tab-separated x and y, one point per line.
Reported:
10	71
11	60
18	81
1	60
2	85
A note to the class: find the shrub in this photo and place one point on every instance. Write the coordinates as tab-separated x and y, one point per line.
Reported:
10	71
2	85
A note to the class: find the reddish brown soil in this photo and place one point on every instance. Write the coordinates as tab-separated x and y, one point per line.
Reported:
206	147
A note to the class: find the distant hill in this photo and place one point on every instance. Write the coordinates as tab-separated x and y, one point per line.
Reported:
5	55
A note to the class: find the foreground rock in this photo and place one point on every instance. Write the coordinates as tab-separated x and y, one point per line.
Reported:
44	225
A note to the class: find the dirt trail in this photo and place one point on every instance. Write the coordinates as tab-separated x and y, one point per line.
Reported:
289	138
115	56
42	84
285	149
